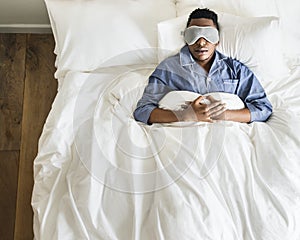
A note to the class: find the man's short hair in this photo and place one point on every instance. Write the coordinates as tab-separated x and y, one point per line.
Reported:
203	13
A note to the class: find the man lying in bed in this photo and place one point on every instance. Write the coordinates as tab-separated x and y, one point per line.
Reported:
199	67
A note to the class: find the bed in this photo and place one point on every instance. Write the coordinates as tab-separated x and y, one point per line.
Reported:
99	174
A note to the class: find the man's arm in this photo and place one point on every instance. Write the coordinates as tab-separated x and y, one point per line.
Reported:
159	115
242	115
253	95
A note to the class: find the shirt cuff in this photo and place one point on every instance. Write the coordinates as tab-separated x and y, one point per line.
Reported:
258	115
142	114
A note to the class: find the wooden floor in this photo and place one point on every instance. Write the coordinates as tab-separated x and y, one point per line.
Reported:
27	89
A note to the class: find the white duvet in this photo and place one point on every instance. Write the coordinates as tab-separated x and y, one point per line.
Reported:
99	174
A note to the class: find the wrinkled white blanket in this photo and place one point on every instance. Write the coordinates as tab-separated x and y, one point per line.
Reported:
99	174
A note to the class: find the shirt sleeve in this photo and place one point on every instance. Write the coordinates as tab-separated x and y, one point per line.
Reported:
153	93
253	94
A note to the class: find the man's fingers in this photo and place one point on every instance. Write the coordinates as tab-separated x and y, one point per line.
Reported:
217	111
199	99
215	104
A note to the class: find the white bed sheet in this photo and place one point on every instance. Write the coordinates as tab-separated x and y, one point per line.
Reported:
101	175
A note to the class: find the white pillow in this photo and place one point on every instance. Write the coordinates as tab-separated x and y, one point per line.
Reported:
255	41
90	34
252	8
289	22
176	99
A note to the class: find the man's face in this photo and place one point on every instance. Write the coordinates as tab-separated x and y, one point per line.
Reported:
202	50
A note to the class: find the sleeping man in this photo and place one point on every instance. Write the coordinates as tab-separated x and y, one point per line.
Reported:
200	68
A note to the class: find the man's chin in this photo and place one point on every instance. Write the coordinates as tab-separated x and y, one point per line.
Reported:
202	58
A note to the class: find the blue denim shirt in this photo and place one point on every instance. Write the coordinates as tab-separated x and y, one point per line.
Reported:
182	72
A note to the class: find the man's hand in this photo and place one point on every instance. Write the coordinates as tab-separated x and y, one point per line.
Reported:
198	110
202	110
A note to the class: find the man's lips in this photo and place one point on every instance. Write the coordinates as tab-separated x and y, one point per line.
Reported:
201	51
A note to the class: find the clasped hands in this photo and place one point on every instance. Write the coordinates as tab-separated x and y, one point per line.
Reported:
204	109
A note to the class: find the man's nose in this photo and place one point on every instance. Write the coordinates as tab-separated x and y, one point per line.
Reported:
201	41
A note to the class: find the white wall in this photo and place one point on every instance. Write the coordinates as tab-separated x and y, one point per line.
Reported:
31	15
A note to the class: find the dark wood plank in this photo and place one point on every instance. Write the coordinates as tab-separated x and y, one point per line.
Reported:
8	188
40	90
12	74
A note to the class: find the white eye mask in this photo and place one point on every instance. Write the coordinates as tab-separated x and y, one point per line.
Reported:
193	33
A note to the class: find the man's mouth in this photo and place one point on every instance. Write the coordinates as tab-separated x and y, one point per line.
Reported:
201	51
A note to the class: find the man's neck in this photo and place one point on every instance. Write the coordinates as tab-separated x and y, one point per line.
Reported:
206	65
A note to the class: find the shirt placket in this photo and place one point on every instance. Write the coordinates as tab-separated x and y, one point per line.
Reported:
213	79
201	80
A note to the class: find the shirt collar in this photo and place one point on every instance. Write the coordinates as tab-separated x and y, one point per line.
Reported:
186	57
